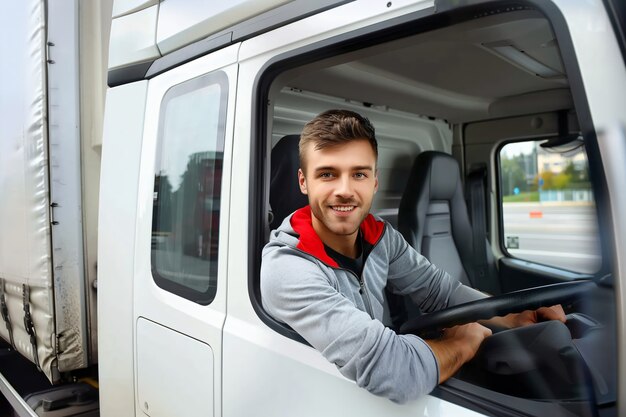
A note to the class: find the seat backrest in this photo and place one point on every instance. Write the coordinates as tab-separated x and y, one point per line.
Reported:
433	217
285	194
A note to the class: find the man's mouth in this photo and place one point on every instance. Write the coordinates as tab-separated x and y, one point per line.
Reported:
343	209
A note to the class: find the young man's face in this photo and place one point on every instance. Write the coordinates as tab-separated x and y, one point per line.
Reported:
340	182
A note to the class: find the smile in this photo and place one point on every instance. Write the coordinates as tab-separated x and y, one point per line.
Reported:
343	208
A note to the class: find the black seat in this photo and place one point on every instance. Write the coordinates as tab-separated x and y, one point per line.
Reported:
433	218
285	194
285	198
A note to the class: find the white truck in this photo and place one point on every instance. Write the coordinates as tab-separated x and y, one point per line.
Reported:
131	228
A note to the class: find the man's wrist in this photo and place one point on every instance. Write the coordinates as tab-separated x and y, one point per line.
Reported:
498	323
450	356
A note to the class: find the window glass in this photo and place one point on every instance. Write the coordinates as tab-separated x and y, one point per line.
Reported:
187	185
549	213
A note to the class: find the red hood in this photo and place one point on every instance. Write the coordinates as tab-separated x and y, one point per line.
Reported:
309	241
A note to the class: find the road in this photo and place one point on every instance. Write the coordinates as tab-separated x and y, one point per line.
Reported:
558	234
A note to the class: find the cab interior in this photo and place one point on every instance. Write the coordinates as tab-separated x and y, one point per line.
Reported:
465	89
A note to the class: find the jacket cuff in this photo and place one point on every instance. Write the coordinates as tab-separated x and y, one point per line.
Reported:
430	379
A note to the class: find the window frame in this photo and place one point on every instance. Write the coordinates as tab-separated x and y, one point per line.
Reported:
473	397
500	211
219	78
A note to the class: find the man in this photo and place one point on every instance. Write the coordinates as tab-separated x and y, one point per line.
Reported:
325	269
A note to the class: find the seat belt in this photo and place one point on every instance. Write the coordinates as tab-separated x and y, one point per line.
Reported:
482	273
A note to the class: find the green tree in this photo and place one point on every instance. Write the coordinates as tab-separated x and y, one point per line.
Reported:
552	181
579	175
561	181
513	175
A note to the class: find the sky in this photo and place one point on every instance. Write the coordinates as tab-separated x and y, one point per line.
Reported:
513	149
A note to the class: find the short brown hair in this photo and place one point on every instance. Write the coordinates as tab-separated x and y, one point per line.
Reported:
336	127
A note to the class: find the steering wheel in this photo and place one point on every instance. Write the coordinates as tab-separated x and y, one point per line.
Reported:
499	305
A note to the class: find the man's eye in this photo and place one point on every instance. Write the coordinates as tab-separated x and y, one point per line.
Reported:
326	175
360	175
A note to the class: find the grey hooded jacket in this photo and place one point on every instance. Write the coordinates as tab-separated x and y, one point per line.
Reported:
341	314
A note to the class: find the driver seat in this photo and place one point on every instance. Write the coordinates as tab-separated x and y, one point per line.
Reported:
285	194
433	218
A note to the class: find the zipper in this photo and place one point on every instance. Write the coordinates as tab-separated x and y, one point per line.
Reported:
362	287
364	293
362	290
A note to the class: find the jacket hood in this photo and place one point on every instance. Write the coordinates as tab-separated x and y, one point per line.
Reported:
297	231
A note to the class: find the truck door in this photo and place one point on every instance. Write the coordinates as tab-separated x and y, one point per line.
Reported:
180	275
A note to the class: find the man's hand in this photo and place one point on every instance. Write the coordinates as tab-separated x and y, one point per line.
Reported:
528	317
457	346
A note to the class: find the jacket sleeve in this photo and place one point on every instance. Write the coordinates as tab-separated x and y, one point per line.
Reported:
429	287
295	291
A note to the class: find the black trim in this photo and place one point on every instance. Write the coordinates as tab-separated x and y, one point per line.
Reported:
189	53
128	74
450	5
493	403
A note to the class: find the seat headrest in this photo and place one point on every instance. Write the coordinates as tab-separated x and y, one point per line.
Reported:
444	174
285	194
434	176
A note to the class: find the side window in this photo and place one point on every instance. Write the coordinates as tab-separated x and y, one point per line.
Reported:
548	207
187	185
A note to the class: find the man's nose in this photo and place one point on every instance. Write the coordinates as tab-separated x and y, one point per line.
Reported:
344	187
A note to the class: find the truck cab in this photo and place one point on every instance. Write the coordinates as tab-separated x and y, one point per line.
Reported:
524	102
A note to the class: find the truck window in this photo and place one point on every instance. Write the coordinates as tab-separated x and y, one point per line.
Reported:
187	185
548	207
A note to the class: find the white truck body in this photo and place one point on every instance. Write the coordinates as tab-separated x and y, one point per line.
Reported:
79	181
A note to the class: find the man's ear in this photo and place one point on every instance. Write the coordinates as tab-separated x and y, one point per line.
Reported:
302	181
